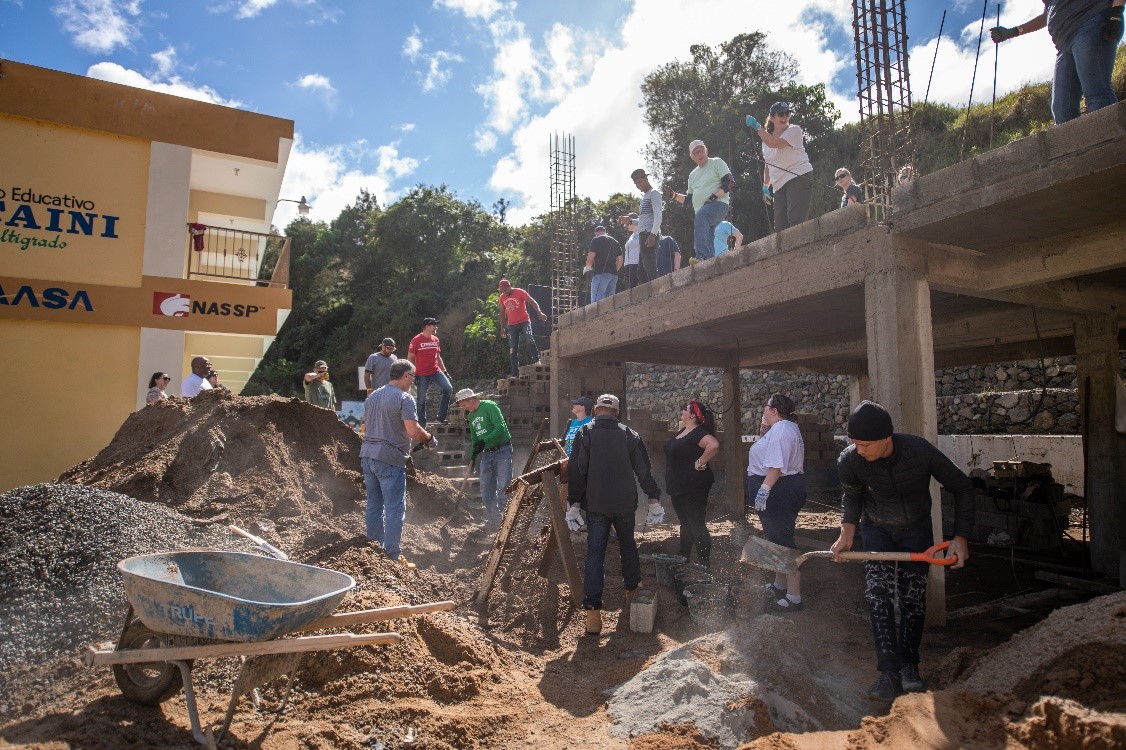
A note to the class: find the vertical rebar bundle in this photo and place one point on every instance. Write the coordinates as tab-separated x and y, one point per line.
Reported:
565	277
884	90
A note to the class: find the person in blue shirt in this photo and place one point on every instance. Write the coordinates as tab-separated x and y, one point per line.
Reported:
725	232
581	407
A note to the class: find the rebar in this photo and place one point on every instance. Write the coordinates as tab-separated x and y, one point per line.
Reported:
565	278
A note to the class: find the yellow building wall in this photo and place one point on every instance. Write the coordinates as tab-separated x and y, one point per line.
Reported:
72	203
73	386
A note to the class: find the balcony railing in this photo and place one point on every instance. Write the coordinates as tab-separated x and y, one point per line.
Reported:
215	252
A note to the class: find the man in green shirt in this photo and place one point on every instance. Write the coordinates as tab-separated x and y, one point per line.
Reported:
709	191
318	390
492	450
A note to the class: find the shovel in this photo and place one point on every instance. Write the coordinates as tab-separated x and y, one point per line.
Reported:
771	556
266	546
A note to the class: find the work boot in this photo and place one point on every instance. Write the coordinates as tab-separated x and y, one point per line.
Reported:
887	688
406	563
910	679
593	621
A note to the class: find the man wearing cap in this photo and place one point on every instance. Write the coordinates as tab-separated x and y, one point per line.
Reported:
390	423
603	261
425	351
709	189
649	216
377	370
606	459
318	390
492	450
515	323
581	407
885	476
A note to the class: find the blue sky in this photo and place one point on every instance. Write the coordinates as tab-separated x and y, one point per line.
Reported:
386	95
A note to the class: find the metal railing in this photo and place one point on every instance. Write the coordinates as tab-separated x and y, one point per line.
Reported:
215	252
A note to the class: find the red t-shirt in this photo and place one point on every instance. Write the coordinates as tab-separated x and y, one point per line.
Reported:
425	350
515	305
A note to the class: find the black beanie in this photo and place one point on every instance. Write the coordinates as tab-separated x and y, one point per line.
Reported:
869	421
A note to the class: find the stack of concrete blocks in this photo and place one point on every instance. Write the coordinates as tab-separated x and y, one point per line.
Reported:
821	451
452	455
657	432
1012	521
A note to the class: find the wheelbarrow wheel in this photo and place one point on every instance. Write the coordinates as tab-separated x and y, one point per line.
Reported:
148	683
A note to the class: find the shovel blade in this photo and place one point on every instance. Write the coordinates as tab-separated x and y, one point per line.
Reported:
768	555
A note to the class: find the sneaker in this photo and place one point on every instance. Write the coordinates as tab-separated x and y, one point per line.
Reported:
887	688
785	604
910	680
406	563
770	591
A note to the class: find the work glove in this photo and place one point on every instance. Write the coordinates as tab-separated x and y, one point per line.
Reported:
760	498
700	465
767	195
433	443
1112	29
656	513
575	520
587	269
1003	34
752	123
711	198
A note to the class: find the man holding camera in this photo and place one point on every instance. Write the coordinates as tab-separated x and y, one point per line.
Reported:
318	391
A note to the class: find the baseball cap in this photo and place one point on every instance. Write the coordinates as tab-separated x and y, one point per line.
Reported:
584	401
388	341
608	399
637	173
503	283
779	107
429	321
320	363
600	228
632	217
692	146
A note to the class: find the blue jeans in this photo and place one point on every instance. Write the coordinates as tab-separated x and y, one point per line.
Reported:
515	333
885	582
703	231
387	504
603	285
422	383
496	473
1083	68
598	534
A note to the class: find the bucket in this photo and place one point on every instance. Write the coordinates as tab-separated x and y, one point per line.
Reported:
664	565
689	574
707	604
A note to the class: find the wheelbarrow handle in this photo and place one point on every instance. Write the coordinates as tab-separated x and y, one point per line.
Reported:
926	556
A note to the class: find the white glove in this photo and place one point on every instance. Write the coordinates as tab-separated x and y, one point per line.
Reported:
574	518
433	443
656	512
700	465
760	498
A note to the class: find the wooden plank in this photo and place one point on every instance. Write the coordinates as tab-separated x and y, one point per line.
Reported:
348	619
533	477
1076	583
94	657
563	536
497	552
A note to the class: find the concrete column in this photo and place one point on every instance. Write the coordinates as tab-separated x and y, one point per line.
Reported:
734	452
859	389
897	310
1096	349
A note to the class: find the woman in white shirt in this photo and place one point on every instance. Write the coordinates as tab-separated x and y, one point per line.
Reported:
776	488
788	169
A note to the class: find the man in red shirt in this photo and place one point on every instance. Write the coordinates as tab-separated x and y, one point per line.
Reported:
515	322
425	351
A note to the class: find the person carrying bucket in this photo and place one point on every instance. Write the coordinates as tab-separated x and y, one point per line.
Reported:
885	478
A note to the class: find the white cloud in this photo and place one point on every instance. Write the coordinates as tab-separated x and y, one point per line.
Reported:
436	70
114	73
331	177
251	8
407	127
165	60
480	9
99	25
315	82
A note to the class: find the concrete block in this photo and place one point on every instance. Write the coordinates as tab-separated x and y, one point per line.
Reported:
706	269
643	611
640	293
733	260
603	306
566	318
764	247
904	197
954	180
1085	132
841	221
1011	160
661	284
680	278
798	236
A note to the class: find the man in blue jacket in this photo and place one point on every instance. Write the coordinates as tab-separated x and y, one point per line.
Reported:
885	476
606	457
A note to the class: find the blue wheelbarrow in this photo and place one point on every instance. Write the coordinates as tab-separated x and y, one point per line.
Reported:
195	604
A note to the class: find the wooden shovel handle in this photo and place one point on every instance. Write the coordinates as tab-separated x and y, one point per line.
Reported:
926	556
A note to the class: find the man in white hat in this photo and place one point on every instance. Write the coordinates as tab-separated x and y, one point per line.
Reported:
492	450
709	189
606	457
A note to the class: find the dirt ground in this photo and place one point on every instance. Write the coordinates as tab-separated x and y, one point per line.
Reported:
1018	665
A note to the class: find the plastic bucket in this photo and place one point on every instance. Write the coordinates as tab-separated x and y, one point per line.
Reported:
664	565
688	575
707	604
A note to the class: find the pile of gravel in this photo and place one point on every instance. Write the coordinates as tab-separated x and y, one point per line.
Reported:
59	548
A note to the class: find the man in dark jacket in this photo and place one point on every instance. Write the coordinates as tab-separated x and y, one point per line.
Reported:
605	458
886	477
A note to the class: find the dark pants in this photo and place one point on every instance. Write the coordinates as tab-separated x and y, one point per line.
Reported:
598	534
515	333
691	508
888	581
791	203
632	275
647	257
785	501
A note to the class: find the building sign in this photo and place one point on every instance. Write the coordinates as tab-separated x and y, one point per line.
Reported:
179	304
